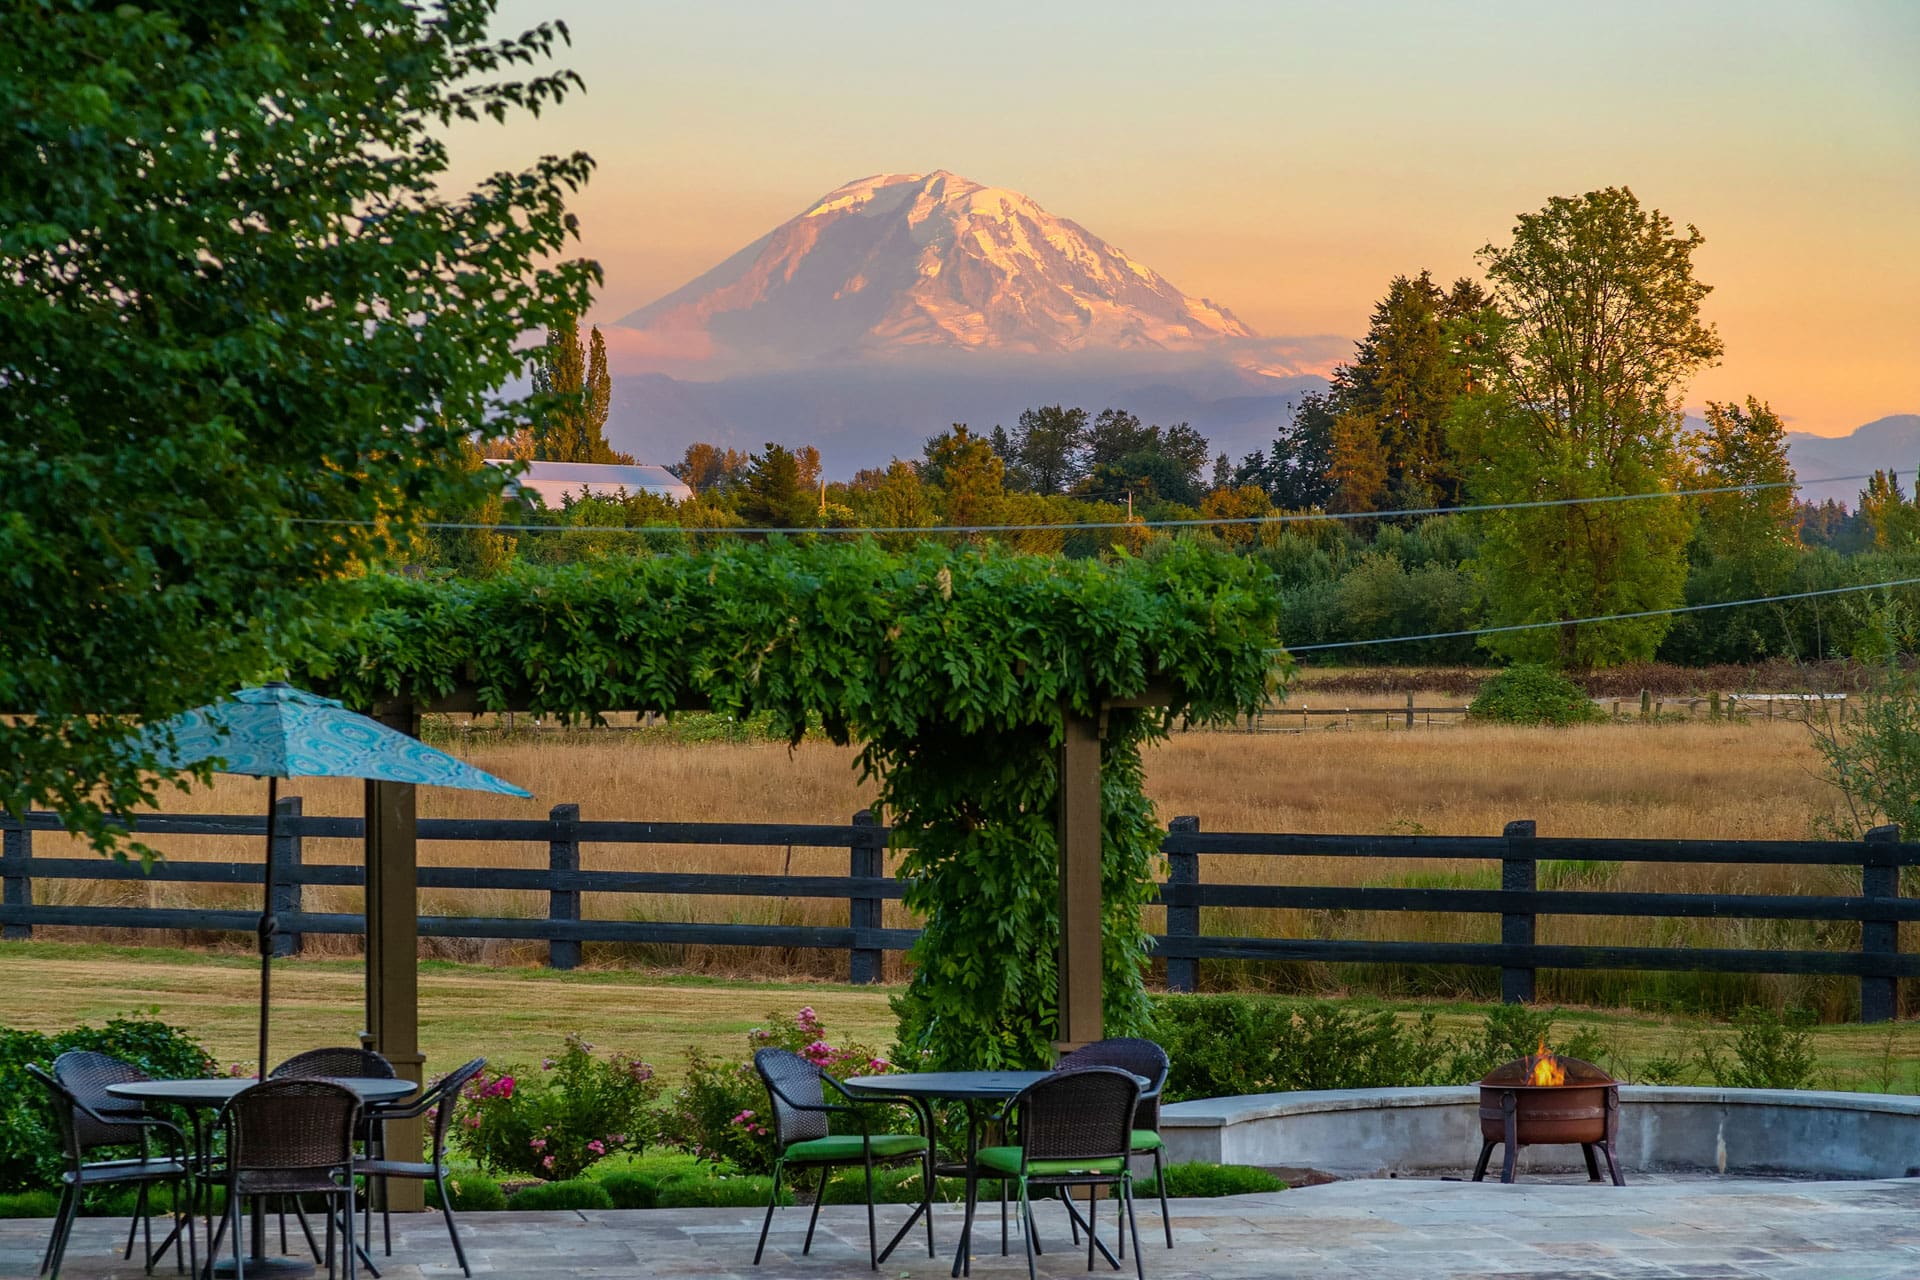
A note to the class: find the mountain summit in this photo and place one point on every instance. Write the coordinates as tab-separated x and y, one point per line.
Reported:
915	267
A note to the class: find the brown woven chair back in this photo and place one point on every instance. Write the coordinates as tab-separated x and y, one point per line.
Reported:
292	1124
442	1099
346	1062
1084	1114
86	1075
1143	1058
793	1086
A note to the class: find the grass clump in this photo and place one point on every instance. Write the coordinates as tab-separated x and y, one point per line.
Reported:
576	1193
716	1191
471	1192
1200	1180
1530	694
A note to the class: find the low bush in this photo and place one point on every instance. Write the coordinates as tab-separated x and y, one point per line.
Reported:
558	1123
1533	695
717	1191
634	1182
30	1156
575	1193
1199	1180
1766	1052
1222	1045
29	1204
720	1113
471	1192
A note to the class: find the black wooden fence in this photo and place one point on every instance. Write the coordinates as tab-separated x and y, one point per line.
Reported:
1878	908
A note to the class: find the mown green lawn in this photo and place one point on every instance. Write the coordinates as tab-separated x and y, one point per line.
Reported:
519	1015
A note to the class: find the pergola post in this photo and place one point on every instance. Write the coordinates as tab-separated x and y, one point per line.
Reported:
393	948
1081	932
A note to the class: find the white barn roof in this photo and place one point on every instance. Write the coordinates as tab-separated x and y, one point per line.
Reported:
552	482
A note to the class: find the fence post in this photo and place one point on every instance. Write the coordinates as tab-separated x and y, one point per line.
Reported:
1519	873
287	854
1183	868
866	861
16	882
1880	878
563	904
1409	708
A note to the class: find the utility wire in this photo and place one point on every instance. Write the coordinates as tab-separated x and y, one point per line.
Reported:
1201	522
1605	617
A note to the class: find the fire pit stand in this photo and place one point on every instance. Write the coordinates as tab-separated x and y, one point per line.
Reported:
1516	1111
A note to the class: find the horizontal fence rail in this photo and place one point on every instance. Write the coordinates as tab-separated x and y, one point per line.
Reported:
1878	909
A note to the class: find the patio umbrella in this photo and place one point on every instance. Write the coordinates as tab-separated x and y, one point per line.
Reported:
275	731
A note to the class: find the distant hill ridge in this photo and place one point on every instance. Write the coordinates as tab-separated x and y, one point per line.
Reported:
1886	443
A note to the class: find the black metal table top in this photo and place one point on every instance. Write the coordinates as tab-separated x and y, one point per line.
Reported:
220	1090
954	1085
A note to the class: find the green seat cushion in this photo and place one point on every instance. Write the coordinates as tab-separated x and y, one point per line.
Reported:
1007	1160
1146	1140
847	1146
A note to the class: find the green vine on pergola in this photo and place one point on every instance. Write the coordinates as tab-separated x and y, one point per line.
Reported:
953	671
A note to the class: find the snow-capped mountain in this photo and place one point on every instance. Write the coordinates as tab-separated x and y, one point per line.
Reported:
917	267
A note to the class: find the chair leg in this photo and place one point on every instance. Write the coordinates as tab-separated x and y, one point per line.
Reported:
819	1198
1091	1202
62	1224
1026	1214
772	1200
926	1193
1003	1217
963	1261
1034	1231
446	1209
1160	1183
1073	1214
386	1219
306	1228
353	1259
333	1228
133	1227
1133	1226
873	1231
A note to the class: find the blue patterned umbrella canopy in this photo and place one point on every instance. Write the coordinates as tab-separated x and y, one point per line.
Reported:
275	731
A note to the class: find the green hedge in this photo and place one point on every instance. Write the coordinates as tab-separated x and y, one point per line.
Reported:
576	1193
1200	1180
30	1156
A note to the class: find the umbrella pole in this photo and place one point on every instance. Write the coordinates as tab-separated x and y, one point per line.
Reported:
268	927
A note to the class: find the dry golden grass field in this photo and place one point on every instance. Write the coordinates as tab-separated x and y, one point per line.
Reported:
1698	779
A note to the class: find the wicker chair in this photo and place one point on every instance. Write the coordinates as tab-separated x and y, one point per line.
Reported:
339	1062
439	1102
290	1137
1075	1129
90	1118
796	1090
1147	1060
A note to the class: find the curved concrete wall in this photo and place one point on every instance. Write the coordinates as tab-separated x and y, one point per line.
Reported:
1436	1132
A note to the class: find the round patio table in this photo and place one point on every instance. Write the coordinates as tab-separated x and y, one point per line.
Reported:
970	1089
212	1094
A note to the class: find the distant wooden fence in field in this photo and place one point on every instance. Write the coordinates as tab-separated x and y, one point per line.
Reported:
1298	717
1878	909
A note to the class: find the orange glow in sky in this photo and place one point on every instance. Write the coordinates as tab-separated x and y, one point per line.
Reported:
1286	160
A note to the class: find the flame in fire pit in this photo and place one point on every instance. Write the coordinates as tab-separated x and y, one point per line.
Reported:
1545	1069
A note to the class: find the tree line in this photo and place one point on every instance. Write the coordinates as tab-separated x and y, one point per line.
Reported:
1549	390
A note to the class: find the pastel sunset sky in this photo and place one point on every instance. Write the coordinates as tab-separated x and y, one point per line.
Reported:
1287	159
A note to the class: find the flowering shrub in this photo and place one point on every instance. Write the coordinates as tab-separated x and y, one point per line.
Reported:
557	1122
722	1113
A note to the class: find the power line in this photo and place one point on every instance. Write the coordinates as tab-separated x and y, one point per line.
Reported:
1201	522
1605	617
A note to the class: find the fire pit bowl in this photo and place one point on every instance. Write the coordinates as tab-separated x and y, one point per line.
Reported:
1545	1100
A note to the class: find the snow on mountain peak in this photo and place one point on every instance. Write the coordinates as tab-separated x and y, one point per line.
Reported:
901	264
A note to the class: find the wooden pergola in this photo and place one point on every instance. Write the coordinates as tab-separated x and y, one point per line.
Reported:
393	905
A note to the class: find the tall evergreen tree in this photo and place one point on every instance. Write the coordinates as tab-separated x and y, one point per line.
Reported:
775	494
575	393
1047	449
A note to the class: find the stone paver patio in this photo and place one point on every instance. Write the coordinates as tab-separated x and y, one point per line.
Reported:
1361	1230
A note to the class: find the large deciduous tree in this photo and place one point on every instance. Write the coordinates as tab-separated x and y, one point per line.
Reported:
245	331
1599	330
